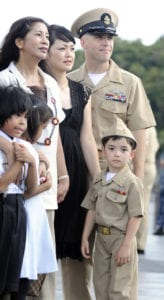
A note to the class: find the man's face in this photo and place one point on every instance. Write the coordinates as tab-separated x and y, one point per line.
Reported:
98	47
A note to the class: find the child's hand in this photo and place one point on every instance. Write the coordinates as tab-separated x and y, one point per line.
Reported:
85	249
122	256
23	154
42	169
47	183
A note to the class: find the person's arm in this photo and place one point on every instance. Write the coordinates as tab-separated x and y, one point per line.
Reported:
24	155
31	180
7	147
139	159
122	256
10	175
14	167
63	177
43	159
42	187
88	227
88	143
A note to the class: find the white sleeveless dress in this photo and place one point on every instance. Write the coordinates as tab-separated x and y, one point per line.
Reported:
39	255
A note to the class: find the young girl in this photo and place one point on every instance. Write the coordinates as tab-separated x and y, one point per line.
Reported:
38	239
16	180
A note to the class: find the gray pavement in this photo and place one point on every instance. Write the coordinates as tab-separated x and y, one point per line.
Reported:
151	265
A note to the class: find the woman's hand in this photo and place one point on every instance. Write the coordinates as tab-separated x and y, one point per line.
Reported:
63	186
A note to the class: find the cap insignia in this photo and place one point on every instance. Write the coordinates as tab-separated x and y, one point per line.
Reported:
106	18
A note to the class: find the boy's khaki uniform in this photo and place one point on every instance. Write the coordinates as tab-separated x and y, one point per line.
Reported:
115	202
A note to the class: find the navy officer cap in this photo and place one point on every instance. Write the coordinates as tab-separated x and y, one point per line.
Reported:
95	21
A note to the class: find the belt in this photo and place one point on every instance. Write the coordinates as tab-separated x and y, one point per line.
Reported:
104	230
109	230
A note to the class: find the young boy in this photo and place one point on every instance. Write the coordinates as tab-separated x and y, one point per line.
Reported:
114	203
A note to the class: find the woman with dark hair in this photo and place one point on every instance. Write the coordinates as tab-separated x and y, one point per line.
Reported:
25	45
19	29
81	157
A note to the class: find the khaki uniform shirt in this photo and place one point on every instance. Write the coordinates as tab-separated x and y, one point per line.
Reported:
120	93
117	200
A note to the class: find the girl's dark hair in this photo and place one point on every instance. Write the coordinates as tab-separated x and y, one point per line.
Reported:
13	100
57	32
61	33
38	114
117	137
19	29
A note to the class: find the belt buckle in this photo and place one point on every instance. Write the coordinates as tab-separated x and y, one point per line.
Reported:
106	231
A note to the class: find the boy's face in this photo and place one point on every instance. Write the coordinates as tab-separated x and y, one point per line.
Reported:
117	153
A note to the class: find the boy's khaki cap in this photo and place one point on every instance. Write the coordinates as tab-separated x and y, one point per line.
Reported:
119	128
95	21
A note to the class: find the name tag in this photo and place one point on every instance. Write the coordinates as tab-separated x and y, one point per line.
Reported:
116	96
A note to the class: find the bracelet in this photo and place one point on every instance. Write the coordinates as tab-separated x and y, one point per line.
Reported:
62	177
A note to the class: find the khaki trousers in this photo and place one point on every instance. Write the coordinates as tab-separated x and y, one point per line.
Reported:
77	276
49	285
113	282
148	182
76	279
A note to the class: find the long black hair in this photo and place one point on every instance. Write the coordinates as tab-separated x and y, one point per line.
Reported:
19	29
61	33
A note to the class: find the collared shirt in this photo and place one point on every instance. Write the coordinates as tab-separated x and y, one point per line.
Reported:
120	93
12	76
116	200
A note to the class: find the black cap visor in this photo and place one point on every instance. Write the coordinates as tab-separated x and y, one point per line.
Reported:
97	27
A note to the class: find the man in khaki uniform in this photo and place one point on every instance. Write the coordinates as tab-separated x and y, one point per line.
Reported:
115	91
115	204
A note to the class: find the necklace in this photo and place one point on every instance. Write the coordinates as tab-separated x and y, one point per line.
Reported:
54	122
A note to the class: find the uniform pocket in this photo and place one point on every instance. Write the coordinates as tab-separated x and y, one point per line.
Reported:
116	196
114	107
